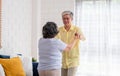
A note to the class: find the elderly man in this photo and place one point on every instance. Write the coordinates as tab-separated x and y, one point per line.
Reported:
70	60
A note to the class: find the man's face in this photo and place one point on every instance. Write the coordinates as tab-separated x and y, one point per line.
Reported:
67	20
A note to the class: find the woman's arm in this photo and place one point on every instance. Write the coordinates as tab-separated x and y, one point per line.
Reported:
71	45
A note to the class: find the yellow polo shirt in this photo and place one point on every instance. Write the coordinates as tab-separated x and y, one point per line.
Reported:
69	58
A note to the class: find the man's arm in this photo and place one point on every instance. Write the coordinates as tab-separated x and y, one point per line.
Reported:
81	35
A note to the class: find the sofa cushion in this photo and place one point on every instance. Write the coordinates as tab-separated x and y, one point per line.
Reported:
13	66
27	65
2	73
26	62
4	56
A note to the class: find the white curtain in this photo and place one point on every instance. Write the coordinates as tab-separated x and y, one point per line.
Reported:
100	23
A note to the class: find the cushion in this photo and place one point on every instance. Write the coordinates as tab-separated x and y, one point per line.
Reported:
12	66
4	56
1	71
27	64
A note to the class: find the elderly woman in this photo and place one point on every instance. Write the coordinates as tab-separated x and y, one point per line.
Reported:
50	50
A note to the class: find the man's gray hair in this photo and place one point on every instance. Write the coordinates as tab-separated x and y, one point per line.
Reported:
67	13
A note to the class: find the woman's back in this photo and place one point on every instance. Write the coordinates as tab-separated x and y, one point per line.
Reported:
50	53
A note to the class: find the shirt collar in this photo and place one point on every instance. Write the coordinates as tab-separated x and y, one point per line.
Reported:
71	28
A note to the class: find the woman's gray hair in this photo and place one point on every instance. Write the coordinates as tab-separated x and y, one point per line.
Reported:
67	13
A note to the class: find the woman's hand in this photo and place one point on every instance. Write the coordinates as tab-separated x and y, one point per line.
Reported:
77	36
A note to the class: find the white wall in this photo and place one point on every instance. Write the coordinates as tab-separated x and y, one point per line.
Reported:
49	10
16	26
43	11
22	22
36	28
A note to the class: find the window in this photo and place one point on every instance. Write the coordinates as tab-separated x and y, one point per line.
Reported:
100	22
